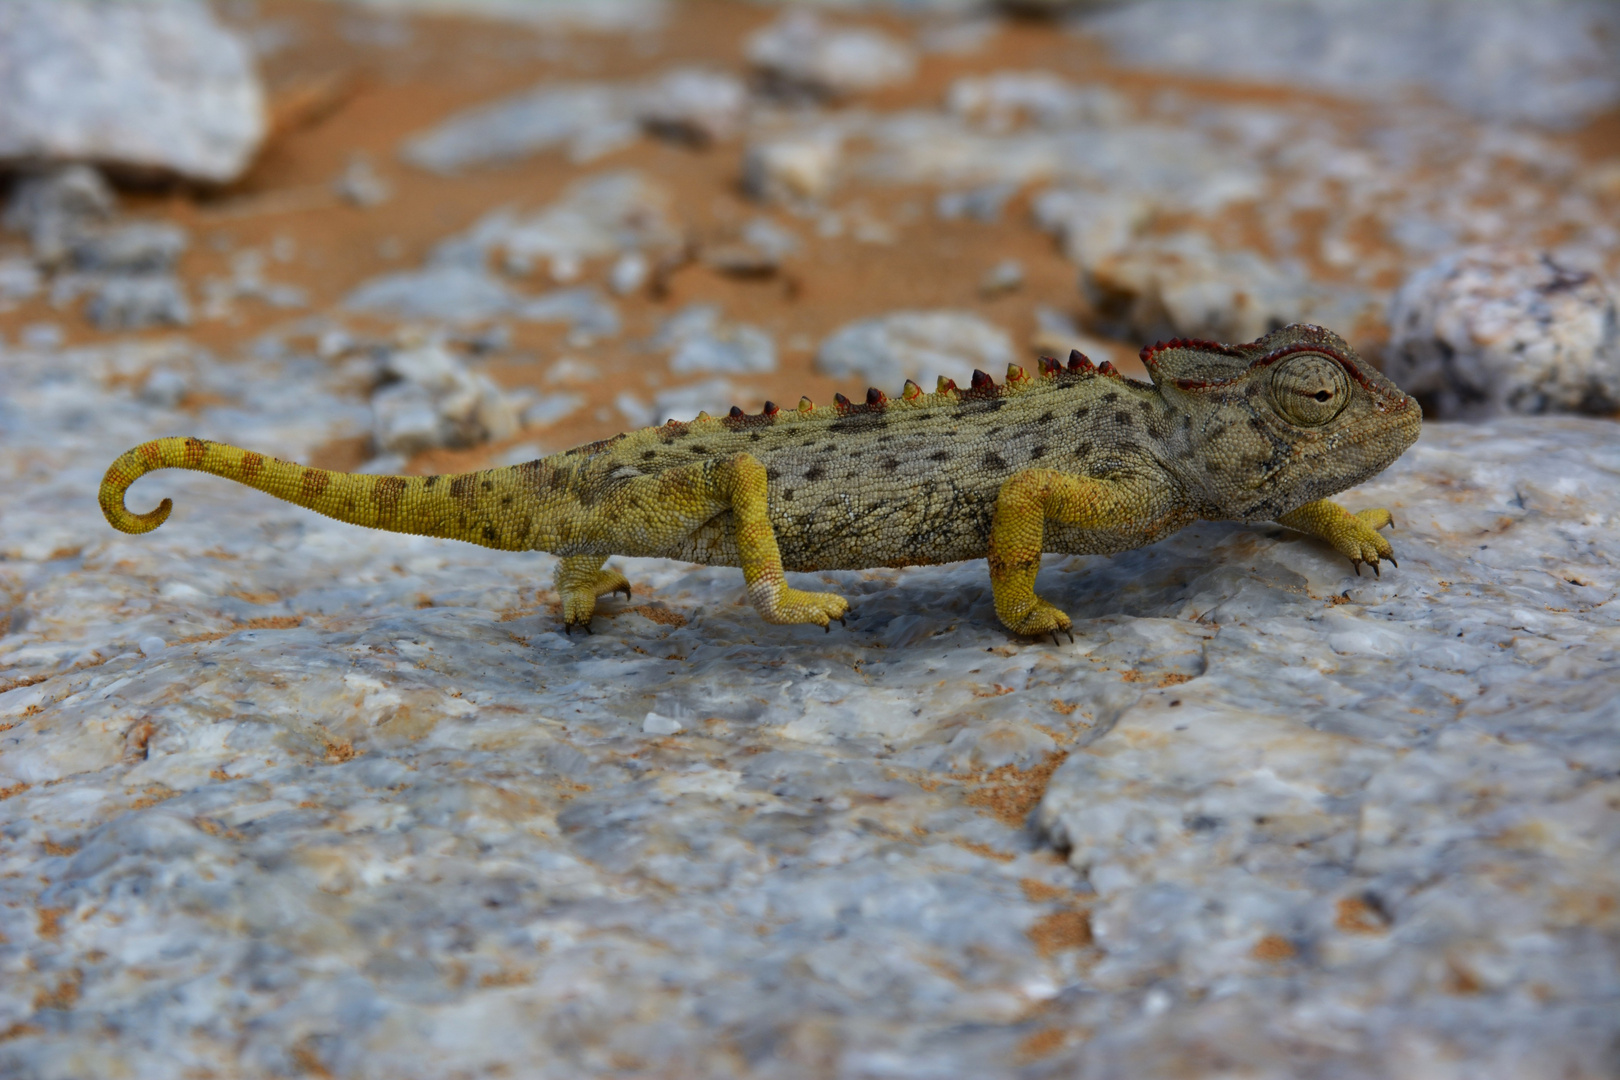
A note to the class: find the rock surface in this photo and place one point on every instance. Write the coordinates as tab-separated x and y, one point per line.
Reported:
1507	330
148	87
799	52
1317	825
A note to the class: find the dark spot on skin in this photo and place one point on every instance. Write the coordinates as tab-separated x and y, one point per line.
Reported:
1045	418
487	486
699	450
814	473
1256	423
993	462
1080	413
862	421
1122	417
428	482
993	432
753	436
648	455
490	533
940	455
506	500
884	440
1037	453
787	494
975	408
827	449
1146	406
772	472
889	464
1186	420
1111	397
856	454
1083	450
1212	466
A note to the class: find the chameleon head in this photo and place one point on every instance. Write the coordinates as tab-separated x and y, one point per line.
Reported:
1263	428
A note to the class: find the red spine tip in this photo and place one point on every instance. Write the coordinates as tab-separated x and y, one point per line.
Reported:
770	409
1050	366
1106	368
1079	361
874	396
841	401
981	380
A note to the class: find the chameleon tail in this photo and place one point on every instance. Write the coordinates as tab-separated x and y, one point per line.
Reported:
495	508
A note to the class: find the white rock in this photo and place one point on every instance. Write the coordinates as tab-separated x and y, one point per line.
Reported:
655	724
793	167
361	184
54	206
800	52
1183	286
1549	63
152	87
699	340
152	645
917	345
1488	331
437	402
588	119
694	105
1091	225
629	273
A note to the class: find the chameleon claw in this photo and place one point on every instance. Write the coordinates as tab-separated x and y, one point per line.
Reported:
1055	641
1376	574
1393	563
826	627
1357	564
1070	632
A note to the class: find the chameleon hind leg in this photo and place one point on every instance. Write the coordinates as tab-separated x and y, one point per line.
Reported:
652	515
580	580
1026	502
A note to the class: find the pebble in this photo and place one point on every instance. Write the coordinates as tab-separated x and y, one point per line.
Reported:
149	87
152	645
694	105
799	52
53	206
698	340
793	168
588	120
1495	330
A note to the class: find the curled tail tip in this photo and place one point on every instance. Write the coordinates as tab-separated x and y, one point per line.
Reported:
119	517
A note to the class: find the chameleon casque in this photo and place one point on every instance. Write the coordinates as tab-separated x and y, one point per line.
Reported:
1076	460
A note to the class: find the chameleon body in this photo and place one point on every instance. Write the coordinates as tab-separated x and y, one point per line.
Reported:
1077	460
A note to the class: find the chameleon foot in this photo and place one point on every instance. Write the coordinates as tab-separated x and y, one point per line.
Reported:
580	580
787	606
1043	619
1355	536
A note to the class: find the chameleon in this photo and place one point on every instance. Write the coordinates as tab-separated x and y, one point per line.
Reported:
1075	458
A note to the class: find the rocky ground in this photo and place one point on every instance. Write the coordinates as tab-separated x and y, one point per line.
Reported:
281	797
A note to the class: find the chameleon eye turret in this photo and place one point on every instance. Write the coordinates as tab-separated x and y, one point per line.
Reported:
1309	389
1080	460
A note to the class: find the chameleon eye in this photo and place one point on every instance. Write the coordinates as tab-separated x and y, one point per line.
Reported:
1309	390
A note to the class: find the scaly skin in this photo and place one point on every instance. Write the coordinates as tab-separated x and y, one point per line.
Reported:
1079	461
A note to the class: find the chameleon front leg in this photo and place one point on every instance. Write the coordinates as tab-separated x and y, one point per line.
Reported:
1355	535
1026	502
580	580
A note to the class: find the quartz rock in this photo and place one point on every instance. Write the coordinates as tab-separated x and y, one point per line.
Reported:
435	292
1091	225
126	301
368	809
917	345
1005	99
799	52
1497	330
147	87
